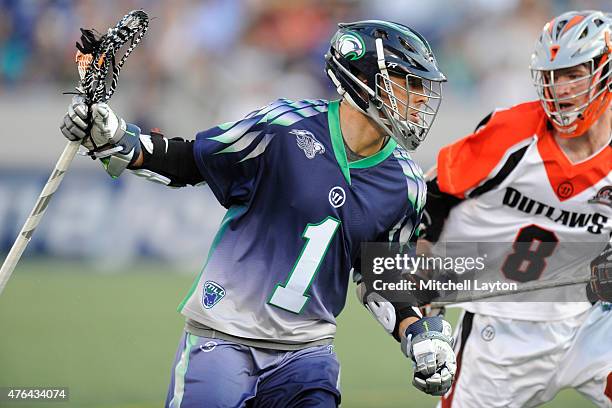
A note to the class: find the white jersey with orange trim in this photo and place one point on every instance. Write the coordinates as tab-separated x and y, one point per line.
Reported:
514	183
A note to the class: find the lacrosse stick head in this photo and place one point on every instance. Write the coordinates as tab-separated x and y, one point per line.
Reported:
97	55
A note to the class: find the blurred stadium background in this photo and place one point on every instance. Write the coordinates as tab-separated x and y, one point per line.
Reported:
92	305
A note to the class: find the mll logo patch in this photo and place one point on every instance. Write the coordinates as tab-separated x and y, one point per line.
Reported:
213	293
603	196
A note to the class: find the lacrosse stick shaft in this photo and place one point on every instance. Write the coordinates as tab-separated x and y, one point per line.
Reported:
131	27
25	235
531	288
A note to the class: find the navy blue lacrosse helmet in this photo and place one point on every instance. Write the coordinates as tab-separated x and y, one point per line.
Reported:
367	60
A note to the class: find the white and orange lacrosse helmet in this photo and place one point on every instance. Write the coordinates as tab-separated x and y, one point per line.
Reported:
574	38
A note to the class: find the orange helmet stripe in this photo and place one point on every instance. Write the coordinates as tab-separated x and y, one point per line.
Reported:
575	20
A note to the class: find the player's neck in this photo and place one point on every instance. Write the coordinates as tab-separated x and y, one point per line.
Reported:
593	140
360	133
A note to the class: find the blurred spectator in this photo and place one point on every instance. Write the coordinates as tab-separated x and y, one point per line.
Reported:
220	58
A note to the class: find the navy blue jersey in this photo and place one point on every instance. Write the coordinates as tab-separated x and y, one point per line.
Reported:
280	265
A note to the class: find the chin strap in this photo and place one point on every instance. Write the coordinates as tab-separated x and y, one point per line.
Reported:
343	92
372	112
351	102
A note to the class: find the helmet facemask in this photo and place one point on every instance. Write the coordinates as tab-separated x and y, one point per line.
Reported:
408	116
573	114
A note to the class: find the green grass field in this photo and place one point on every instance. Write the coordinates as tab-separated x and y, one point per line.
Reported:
111	339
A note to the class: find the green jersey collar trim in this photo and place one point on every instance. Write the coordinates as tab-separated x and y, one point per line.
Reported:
375	159
333	118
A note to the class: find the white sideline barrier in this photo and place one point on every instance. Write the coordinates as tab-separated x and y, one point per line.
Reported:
110	221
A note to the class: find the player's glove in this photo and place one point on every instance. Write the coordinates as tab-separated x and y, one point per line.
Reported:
600	286
107	136
74	124
429	344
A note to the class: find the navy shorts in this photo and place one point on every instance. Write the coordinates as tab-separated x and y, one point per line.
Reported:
218	373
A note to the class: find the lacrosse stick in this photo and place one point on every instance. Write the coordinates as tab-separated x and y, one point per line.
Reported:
524	289
95	59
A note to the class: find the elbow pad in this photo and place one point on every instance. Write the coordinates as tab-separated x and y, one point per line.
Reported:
388	314
168	161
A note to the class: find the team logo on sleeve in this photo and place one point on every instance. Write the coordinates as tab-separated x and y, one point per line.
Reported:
603	196
213	293
308	143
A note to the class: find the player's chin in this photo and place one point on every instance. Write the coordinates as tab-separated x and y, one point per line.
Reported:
414	119
568	107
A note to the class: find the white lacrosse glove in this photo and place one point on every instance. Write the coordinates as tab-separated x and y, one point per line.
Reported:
106	135
429	344
107	127
75	122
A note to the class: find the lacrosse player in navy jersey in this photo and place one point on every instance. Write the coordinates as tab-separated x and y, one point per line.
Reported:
305	183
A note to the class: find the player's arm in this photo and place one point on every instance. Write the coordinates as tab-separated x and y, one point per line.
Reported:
437	208
427	341
228	157
458	161
403	325
394	316
120	146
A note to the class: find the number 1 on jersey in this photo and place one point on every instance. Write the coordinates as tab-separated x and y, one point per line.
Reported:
291	296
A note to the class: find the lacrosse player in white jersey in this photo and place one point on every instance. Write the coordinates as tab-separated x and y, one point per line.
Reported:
538	172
